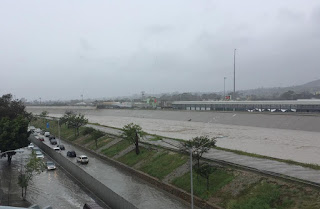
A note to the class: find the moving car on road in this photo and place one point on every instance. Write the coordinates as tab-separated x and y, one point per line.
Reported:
53	141
46	133
56	148
30	146
61	146
39	154
41	138
35	149
71	153
50	165
51	137
82	159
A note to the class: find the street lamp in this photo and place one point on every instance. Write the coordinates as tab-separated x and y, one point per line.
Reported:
59	134
234	74
191	178
224	88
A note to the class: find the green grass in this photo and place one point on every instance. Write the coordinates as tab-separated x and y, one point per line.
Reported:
155	138
163	164
115	149
65	132
98	124
88	138
132	158
217	180
101	142
307	165
262	196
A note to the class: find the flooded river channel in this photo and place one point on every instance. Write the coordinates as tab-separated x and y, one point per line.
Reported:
294	137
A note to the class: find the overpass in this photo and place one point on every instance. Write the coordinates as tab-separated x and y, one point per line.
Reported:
308	105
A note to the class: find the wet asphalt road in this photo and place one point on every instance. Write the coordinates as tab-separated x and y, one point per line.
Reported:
53	188
135	190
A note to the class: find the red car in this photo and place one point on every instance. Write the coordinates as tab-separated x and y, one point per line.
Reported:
41	138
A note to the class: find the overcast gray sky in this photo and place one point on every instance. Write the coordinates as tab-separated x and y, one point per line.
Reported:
62	49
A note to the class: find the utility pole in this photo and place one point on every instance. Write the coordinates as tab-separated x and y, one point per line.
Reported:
191	177
234	74
224	88
40	100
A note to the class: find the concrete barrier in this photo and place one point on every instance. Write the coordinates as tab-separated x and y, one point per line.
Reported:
152	180
99	189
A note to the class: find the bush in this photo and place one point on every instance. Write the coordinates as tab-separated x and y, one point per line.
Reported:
88	130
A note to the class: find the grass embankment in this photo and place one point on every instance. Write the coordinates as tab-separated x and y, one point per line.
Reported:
115	149
228	187
217	180
65	132
307	165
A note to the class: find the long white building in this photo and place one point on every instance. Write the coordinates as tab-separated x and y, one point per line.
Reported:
308	105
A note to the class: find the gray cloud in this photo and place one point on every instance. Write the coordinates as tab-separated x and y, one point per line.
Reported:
57	50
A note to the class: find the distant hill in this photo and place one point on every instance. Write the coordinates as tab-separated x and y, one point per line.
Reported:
312	87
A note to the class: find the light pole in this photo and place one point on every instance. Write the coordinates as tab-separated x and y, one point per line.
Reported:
234	74
59	134
224	88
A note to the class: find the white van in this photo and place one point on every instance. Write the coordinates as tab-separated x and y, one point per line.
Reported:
46	134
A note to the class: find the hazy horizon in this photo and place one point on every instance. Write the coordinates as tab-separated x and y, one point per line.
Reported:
61	50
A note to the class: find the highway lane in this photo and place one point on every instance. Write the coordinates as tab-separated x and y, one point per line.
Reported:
135	190
54	188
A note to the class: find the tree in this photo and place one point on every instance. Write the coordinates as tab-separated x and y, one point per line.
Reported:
34	167
289	95
13	135
11	108
200	145
66	117
13	126
132	132
44	114
76	121
205	170
96	135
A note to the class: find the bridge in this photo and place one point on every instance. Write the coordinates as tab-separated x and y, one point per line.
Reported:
308	105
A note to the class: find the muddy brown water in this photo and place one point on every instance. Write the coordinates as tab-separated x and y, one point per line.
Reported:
286	136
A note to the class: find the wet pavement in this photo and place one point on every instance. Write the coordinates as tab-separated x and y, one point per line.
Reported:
53	188
264	165
135	190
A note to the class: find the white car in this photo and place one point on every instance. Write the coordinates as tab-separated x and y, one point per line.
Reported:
30	146
39	154
56	148
50	165
46	134
82	159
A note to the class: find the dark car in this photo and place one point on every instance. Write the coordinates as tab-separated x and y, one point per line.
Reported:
71	153
53	141
51	137
61	146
